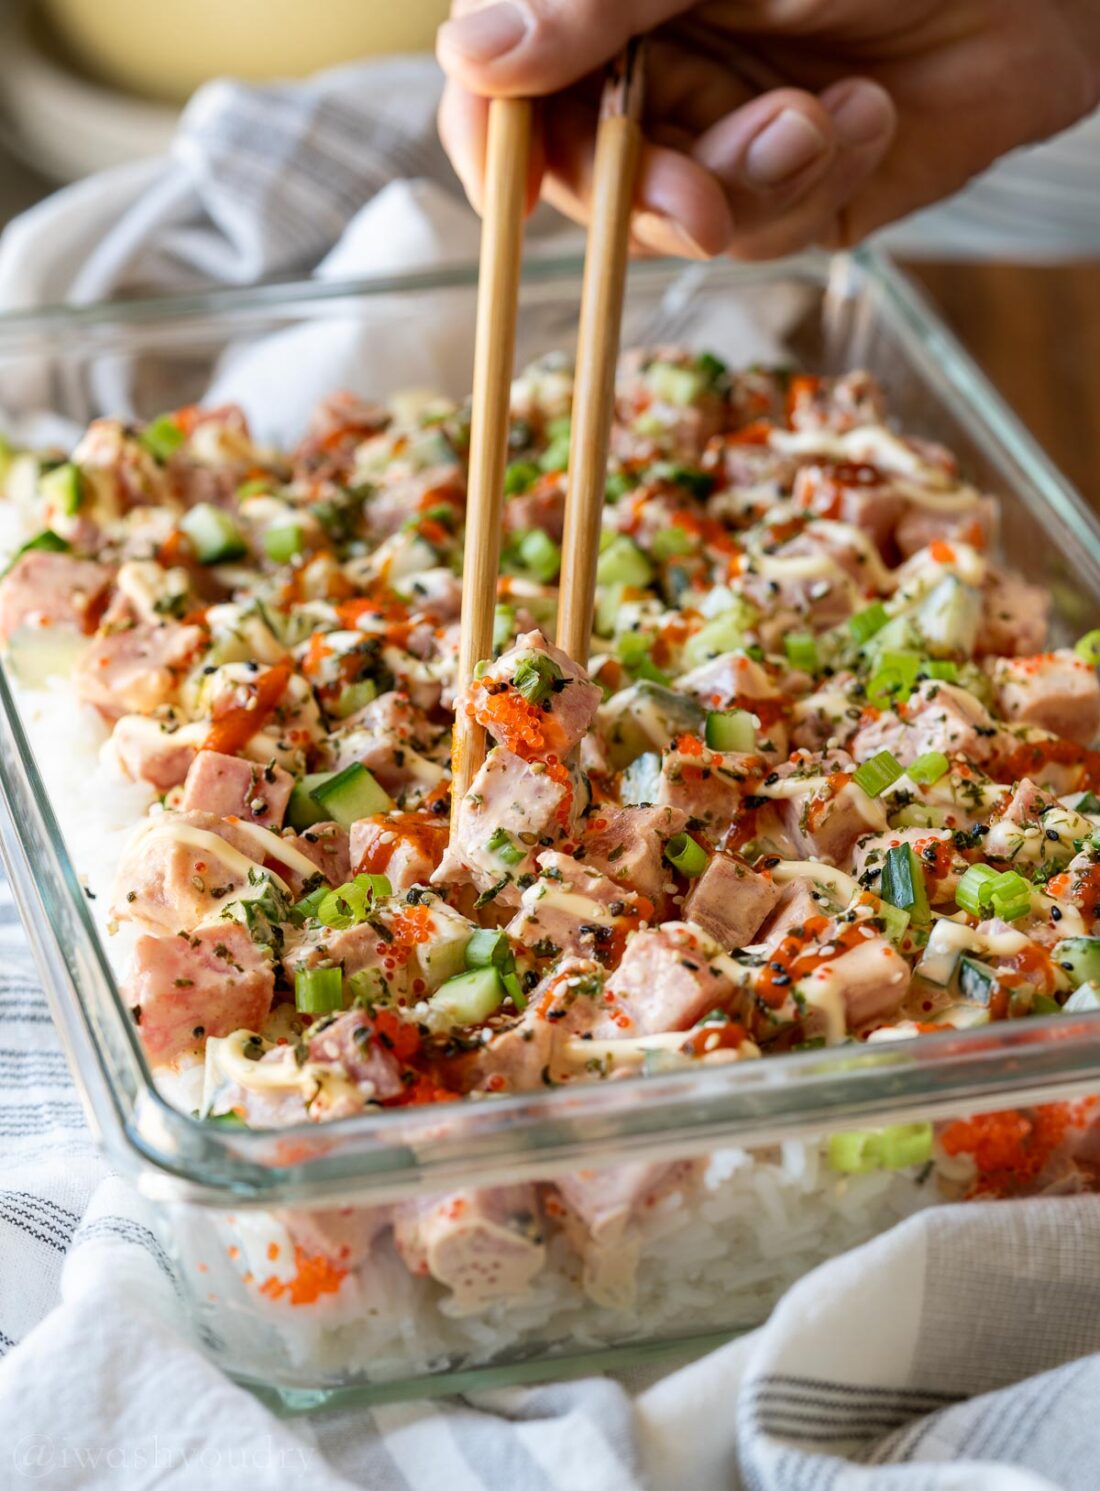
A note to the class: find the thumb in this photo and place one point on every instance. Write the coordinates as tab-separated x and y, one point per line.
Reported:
533	47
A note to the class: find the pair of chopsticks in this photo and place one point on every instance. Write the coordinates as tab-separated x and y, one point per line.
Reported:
618	148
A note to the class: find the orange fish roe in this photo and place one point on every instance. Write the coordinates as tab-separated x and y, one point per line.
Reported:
518	725
314	1276
410	925
1010	1150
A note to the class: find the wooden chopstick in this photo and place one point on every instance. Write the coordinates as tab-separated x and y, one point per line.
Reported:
615	169
509	144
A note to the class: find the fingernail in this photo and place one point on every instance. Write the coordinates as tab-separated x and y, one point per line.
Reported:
862	113
486	34
783	148
666	236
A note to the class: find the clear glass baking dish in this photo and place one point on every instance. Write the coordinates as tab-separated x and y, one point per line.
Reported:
728	1196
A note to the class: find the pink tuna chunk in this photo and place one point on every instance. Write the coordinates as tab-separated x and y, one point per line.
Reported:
569	709
730	901
483	1245
342	1234
830	812
628	844
185	988
46	589
936	717
326	844
666	981
228	787
156	750
856	493
1057	691
349	1043
135	670
179	869
873	978
706	786
514	797
556	921
564	1004
922	526
1014	615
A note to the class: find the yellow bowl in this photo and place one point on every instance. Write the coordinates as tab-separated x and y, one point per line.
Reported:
165	49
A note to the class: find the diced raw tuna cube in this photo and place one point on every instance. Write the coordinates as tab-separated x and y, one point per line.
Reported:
666	981
706	785
730	901
628	844
574	909
342	1234
828	812
349	1042
837	403
183	989
483	1245
936	717
1057	691
326	844
135	670
406	847
1015	615
47	589
854	493
181	868
520	799
563	1004
922	526
872	979
227	787
156	750
554	725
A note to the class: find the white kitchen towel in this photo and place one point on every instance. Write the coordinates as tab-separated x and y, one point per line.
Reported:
938	1356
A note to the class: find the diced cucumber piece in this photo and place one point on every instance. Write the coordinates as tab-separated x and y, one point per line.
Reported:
354	697
918	815
1080	958
282	542
161	437
646	717
469	998
1083	1001
303	811
348	795
61	488
623	563
977	981
675	385
730	730
641	781
213	535
726	633
950	616
962	1016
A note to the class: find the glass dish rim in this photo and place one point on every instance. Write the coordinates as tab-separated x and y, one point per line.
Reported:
199	1159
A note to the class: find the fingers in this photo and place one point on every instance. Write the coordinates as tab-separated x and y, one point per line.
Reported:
540	46
463	128
790	163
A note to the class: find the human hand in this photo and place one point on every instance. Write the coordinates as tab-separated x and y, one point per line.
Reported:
773	124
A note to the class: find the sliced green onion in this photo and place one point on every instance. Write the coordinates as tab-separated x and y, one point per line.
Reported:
367	987
47	540
61	487
1088	647
213	535
972	891
928	768
354	697
864	624
307	906
1009	896
944	672
854	1153
902	883
671	384
801	651
255	486
919	815
504	847
535	677
623	563
504	626
685	855
903	1144
538	554
282	542
488	947
352	903
877	773
892	681
712	368
730	730
519	476
319	991
162	437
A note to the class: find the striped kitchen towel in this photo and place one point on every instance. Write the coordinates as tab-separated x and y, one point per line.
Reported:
955	1351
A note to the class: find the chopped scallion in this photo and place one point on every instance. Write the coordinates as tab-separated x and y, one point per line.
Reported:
972	891
928	768
877	773
1009	896
535	677
504	847
730	730
1088	647
801	651
685	855
864	624
319	991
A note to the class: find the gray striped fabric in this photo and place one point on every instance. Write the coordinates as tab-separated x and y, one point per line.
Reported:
954	1352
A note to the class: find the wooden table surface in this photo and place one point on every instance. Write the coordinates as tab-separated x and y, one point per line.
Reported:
1036	334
